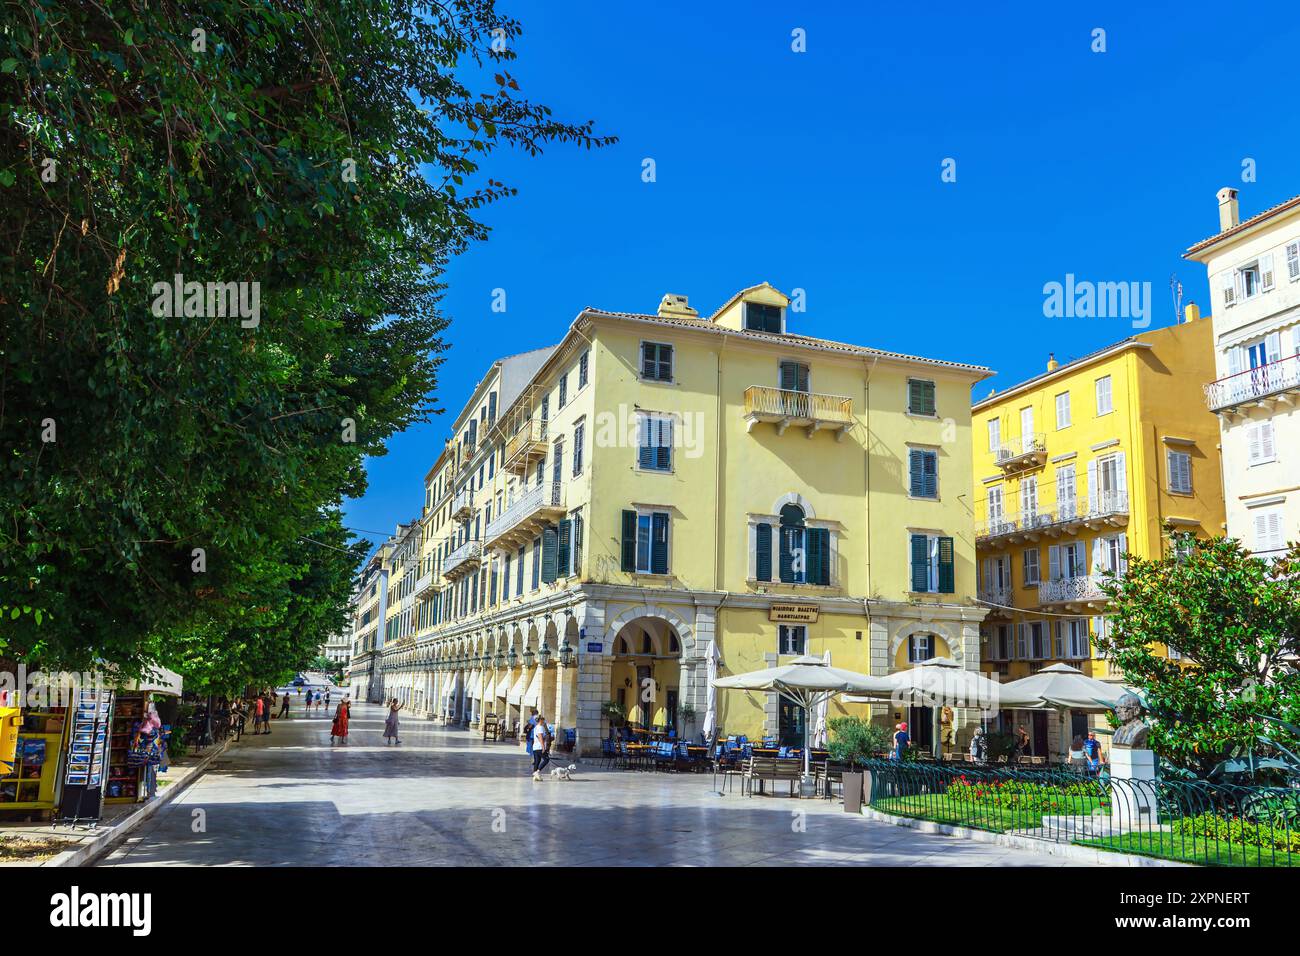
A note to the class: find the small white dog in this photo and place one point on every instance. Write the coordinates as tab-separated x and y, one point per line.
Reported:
564	773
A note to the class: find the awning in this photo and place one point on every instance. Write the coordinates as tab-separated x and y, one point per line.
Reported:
159	681
503	685
533	695
475	684
516	696
449	688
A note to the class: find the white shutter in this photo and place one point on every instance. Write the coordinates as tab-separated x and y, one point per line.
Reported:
986	571
1092	486
1228	287
1273	346
1121	477
1252	441
1266	272
1293	260
1234	359
1266	449
1100	558
1123	550
1054	562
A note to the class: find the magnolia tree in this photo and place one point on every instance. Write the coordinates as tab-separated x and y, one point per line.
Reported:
1234	621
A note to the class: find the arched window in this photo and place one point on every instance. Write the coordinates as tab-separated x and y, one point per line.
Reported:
794	557
646	646
673	646
622	645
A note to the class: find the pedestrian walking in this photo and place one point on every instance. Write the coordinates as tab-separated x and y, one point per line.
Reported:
1092	753
541	734
342	716
901	741
527	731
284	706
390	724
327	698
259	707
1078	759
269	698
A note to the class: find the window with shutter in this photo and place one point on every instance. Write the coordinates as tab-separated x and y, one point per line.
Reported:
1266	272
564	390
1104	401
579	434
659	543
819	556
995	434
657	361
519	570
1180	472
629	541
763	552
656	443
550	553
920	397
947	567
923	473
583	361
1228	288
576	564
1062	411
920	563
762	318
563	552
537	563
794	377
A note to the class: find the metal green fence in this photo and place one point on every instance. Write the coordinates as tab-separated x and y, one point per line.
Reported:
1191	821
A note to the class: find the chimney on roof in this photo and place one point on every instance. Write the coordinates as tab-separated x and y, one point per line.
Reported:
1229	211
1052	363
673	306
1192	312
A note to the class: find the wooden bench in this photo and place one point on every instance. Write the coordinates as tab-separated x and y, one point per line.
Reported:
775	769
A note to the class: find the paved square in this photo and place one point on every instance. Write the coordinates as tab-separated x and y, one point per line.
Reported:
446	798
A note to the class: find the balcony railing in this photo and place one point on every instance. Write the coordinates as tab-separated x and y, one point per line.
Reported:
1254	384
465	558
995	594
527	443
811	410
1081	589
1110	507
462	506
1021	451
520	520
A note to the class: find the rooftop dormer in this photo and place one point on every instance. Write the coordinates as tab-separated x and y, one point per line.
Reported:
760	308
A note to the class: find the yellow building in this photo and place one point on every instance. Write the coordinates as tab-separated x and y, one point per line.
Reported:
1100	457
663	487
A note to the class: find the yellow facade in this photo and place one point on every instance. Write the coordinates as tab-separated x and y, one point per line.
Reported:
724	474
1138	449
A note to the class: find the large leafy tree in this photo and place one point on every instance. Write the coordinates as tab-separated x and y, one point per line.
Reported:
1235	621
162	473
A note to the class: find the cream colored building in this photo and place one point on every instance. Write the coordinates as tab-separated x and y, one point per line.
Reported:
1254	271
664	487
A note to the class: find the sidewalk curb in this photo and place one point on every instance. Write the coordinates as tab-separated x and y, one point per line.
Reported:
92	851
1068	851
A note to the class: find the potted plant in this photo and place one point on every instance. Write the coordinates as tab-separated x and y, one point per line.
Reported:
686	714
853	742
615	712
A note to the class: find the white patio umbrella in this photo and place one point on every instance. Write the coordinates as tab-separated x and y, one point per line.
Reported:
940	682
819	727
805	681
1061	688
711	692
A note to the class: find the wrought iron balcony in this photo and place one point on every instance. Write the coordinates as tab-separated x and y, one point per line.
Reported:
538	505
1027	451
1273	382
462	506
464	559
1081	589
525	445
810	410
1106	508
995	594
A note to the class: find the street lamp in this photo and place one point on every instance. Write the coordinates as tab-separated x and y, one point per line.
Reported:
529	657
499	660
512	658
566	653
544	655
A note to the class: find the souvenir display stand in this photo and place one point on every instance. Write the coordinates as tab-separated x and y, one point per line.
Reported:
125	779
33	786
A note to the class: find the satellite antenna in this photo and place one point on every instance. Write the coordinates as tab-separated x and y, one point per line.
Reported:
1176	290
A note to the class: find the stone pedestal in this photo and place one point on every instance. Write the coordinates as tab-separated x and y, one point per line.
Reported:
1133	792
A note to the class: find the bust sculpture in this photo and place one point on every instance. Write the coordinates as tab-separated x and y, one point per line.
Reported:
1133	731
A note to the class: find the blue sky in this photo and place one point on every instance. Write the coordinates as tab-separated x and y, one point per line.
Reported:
821	170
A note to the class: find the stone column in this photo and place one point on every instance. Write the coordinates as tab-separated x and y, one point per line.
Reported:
967	718
594	671
878	655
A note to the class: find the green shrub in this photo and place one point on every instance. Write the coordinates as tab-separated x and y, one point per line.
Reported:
854	741
1024	794
1213	826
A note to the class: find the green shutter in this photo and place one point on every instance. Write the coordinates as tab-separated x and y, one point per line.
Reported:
629	541
947	584
785	557
566	538
763	553
819	556
916	473
659	543
920	563
550	542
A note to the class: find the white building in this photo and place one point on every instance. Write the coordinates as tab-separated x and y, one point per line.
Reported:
1254	271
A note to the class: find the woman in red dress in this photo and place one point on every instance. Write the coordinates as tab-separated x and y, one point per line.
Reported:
341	717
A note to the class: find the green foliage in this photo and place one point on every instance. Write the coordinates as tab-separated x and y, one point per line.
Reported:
1235	619
854	740
218	142
1025	794
1213	826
